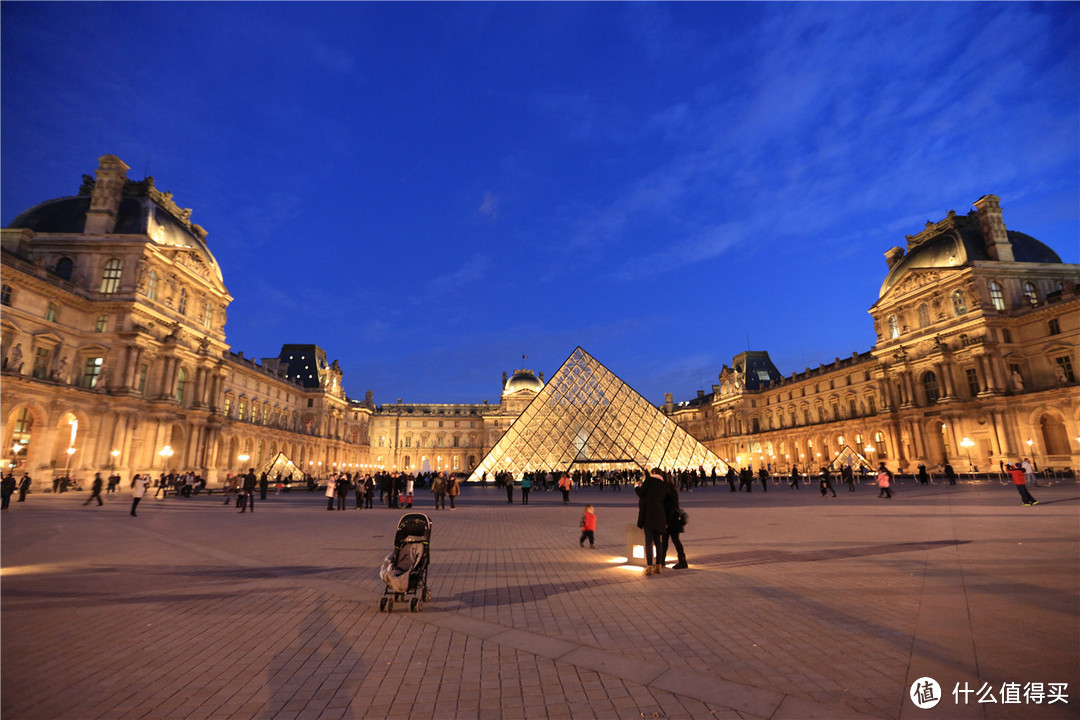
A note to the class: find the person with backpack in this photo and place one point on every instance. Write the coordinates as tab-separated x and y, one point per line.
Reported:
884	481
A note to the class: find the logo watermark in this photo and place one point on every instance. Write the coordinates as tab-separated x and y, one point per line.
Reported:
925	693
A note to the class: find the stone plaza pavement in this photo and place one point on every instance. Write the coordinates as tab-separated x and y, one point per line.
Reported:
794	606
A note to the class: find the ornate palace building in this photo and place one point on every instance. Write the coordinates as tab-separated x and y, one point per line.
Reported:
976	363
114	357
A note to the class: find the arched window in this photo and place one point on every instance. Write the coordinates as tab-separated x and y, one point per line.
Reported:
997	297
151	285
181	383
924	315
181	304
894	327
879	445
1031	294
64	268
959	303
930	385
110	277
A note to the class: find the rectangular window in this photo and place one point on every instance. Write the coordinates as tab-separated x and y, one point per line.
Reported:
50	312
310	402
208	316
1006	336
144	371
5	294
228	406
853	408
110	277
1064	369
240	408
91	372
870	405
1054	326
102	323
41	362
972	381
408	441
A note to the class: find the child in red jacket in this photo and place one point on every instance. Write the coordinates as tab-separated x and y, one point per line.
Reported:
588	526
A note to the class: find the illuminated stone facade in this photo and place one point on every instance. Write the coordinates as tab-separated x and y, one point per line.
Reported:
978	328
113	335
113	347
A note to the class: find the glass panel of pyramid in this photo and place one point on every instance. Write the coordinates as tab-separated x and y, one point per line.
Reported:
587	416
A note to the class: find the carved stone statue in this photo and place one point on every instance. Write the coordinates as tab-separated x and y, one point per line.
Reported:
1018	380
61	369
15	362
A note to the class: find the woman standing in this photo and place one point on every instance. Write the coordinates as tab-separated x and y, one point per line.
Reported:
652	518
139	484
526	486
453	489
674	524
331	484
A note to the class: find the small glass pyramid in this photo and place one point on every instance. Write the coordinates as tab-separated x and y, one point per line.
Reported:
588	418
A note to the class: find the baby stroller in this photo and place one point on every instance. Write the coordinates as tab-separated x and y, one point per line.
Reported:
405	570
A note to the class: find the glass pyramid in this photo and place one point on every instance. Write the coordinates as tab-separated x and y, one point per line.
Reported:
587	418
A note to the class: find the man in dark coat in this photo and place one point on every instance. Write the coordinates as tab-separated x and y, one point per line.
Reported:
248	490
95	491
652	517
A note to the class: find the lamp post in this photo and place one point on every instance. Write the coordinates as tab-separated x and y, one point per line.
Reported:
1031	449
15	450
165	453
67	468
115	454
243	458
967	443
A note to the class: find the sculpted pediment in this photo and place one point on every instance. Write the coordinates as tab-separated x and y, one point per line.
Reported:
916	280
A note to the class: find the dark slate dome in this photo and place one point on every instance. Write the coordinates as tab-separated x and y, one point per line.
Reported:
139	213
962	245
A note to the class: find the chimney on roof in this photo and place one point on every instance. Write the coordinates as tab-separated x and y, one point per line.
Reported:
988	209
105	199
893	256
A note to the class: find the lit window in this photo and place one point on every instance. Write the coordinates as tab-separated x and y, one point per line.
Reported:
50	312
181	304
102	323
228	406
92	372
181	383
997	297
151	285
1031	295
879	443
959	303
42	356
110	277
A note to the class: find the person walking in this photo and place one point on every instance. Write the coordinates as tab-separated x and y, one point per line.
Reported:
248	497
1029	473
924	477
139	485
565	483
826	481
453	489
24	487
369	493
7	489
358	490
526	486
588	527
342	491
847	474
794	477
331	491
884	482
95	491
763	476
1020	481
264	483
652	518
950	474
508	481
438	489
730	477
675	525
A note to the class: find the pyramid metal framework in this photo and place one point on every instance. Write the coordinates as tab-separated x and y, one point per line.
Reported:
586	417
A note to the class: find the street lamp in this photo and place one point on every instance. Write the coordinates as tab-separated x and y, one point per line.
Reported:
243	458
967	443
115	454
165	453
67	468
15	450
1031	449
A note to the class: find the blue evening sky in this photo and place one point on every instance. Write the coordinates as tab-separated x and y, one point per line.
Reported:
430	191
